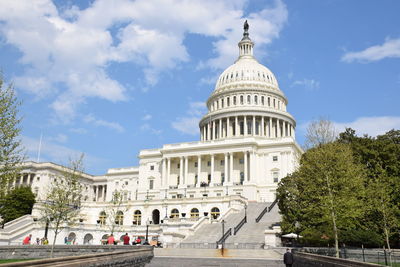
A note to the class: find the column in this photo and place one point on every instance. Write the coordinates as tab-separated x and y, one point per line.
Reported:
104	192
198	170
95	192
278	129
245	166
168	171
228	128
270	127
253	131
180	171
236	126
212	170
213	130
262	126
220	129
163	172
245	125
208	132
185	180
98	192
230	177
284	129
226	166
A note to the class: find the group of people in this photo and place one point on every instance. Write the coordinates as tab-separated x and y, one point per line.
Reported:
125	239
39	241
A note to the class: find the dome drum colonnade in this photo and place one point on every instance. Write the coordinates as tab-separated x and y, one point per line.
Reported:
246	101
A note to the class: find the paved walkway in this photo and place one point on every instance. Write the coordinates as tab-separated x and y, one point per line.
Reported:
212	262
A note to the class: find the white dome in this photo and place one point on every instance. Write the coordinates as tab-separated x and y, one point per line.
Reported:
246	71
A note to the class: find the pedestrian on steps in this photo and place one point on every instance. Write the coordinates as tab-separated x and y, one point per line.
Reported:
288	258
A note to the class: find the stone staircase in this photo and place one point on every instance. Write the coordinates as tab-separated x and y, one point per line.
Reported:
251	235
208	234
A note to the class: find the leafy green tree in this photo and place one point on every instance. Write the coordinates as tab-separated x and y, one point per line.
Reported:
325	194
61	207
16	203
11	152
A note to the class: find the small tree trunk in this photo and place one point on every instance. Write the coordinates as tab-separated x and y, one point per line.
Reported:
336	234
54	240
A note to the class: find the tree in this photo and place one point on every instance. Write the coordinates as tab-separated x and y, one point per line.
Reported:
115	212
325	194
11	153
16	203
319	132
61	207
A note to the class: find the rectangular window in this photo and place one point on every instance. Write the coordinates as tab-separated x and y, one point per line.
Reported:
275	158
222	163
152	167
191	196
178	165
208	163
126	182
262	100
275	175
218	194
241	161
151	184
195	164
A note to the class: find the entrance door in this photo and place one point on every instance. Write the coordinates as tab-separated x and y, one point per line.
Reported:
156	216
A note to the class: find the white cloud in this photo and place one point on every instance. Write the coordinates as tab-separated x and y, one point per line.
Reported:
147	117
372	126
190	123
66	51
389	49
99	122
146	127
308	84
78	130
59	138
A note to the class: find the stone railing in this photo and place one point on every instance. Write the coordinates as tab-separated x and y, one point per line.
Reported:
310	260
86	255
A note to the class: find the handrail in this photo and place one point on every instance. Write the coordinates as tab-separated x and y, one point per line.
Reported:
266	209
240	224
225	236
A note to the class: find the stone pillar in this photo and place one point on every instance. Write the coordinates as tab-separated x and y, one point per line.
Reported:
228	128
284	129
198	171
212	171
278	128
168	171
262	126
185	179
226	166
245	126
213	131
253	131
237	130
95	192
220	129
245	166
270	128
163	170
230	177
208	132
180	171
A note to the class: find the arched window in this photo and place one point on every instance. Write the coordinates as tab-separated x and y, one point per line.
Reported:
102	218
215	213
227	101
256	100
194	213
137	217
234	100
248	99
175	213
241	100
119	219
262	100
151	184
222	103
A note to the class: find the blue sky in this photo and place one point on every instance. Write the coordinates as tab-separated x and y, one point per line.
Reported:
109	78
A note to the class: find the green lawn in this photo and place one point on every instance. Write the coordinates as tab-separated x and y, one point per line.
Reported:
393	264
13	260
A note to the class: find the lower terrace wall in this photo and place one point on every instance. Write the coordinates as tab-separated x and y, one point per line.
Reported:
311	260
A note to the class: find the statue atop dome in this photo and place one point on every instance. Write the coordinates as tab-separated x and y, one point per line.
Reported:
246	31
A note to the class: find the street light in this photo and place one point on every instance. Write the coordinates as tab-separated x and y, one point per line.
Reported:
146	241
245	213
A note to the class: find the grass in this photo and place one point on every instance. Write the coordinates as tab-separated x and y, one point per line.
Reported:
13	260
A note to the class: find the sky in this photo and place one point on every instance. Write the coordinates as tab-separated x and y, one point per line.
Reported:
111	77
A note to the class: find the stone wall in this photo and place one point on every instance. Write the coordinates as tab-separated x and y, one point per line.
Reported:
79	255
311	260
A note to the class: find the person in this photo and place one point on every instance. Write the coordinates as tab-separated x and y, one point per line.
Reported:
288	258
37	241
138	240
65	240
27	240
111	240
126	239
45	241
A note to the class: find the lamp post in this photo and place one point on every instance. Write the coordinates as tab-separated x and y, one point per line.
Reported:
223	232
146	241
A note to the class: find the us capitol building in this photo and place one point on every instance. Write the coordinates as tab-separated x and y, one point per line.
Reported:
247	144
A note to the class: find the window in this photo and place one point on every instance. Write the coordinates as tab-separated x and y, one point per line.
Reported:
222	162
218	194
178	165
137	217
241	177
241	161
195	164
209	178
269	102
195	179
255	100
248	99
208	163
227	101
274	102
178	180
126	182
275	158
151	184
222	178
234	100
102	218
175	213
38	178
119	219
116	183
262	100
275	175
222	103
215	213
191	196
241	125
241	100
151	167
194	213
